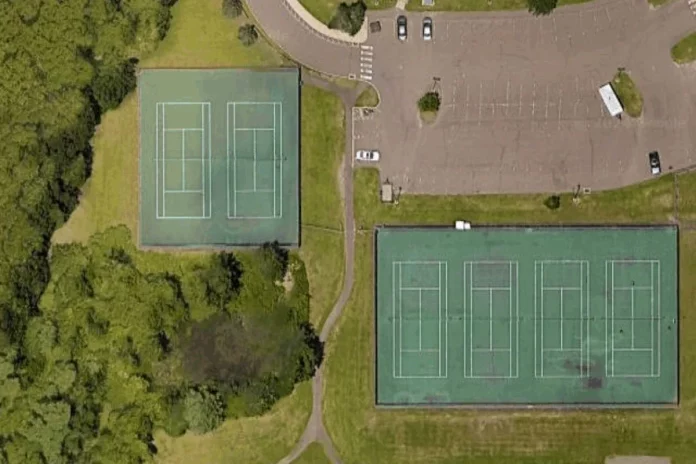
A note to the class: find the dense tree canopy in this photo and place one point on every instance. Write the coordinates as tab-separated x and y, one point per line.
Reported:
91	337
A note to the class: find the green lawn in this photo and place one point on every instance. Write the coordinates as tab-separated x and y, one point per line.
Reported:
314	454
685	50
478	5
324	10
368	98
628	94
366	435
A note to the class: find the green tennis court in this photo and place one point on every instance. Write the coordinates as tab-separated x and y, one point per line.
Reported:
219	157
516	316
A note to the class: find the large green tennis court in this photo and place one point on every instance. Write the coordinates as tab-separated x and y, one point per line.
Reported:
519	316
219	157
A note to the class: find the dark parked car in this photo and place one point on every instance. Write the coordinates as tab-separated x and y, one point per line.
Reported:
401	28
654	158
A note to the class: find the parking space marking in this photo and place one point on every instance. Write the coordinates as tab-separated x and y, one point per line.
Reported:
480	101
507	98
533	100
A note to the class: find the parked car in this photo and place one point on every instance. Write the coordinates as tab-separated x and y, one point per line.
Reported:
655	167
367	155
401	32
427	29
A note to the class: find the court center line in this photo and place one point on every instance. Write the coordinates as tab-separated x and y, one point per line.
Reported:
561	319
633	319
542	319
164	157
490	309
254	138
401	329
157	136
394	319
420	320
183	160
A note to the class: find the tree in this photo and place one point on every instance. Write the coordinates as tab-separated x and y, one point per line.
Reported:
112	83
349	17
232	8
274	261
247	34
204	409
221	279
541	7
429	102
553	202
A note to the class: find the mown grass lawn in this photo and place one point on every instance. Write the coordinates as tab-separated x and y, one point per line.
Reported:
367	435
684	51
314	454
368	98
324	10
201	37
628	93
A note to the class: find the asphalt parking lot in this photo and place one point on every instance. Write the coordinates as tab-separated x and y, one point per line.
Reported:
520	107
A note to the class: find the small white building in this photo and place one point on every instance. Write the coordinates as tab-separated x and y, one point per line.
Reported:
611	100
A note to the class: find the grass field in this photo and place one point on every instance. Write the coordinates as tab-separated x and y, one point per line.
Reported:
628	94
324	10
366	435
685	50
478	5
314	454
658	3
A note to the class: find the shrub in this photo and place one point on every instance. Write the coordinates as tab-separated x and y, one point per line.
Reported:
553	202
232	8
349	17
248	34
429	102
541	7
204	409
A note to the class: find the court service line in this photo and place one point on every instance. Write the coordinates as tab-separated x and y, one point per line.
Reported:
164	158
157	136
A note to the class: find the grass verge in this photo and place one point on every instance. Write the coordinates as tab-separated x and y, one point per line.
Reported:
685	50
314	454
629	95
658	3
367	435
651	201
478	5
368	98
324	10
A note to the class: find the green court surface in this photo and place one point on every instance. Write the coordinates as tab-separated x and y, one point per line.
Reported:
219	156
525	316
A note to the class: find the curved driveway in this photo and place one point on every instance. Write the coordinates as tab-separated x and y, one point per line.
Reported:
521	112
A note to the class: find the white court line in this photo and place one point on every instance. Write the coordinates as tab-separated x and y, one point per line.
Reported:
633	350
632	288
536	306
420	321
613	294
254	162
274	161
183	191
446	320
394	320
401	329
256	191
652	307
542	319
183	160
606	318
492	350
490	311
439	321
410	350
254	129
562	289
157	136
186	129
203	147
421	288
164	164
486	289
464	305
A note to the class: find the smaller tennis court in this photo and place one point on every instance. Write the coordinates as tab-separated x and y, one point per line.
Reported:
219	162
526	316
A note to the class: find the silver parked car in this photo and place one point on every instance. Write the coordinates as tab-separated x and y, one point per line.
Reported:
427	29
367	155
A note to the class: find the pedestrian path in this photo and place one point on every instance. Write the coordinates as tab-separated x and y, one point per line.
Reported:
367	56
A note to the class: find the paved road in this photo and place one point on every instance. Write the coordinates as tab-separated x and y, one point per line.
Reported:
521	112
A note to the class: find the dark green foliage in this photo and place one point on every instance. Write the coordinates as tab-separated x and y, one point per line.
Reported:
248	34
553	202
204	409
221	279
112	83
541	7
349	17
273	261
232	8
429	102
175	423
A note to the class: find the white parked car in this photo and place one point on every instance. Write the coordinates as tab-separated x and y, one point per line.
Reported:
367	155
